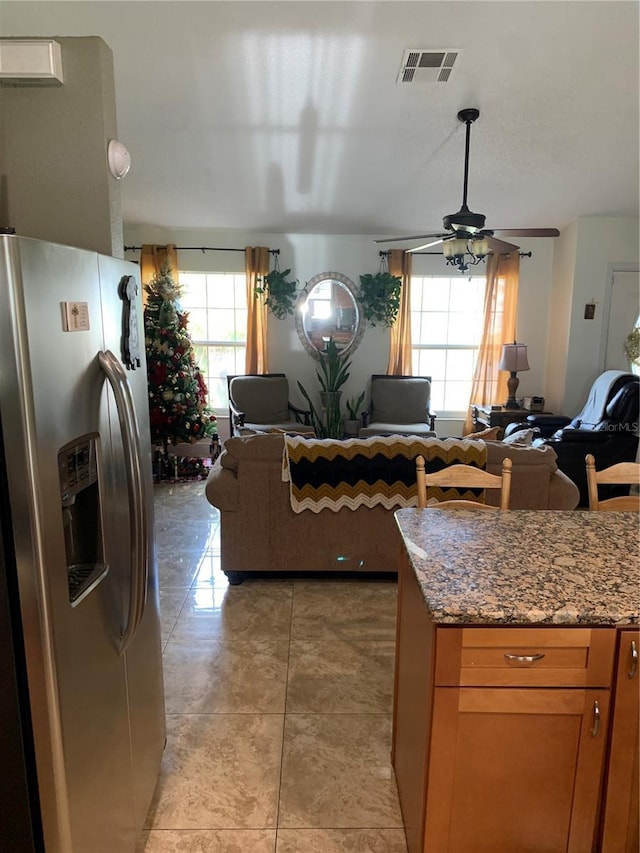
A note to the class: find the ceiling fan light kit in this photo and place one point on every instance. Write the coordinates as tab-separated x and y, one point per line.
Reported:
462	253
465	241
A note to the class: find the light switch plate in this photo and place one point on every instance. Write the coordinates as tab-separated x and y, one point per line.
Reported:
75	316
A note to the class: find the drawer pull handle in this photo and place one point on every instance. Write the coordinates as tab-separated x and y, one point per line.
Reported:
596	718
524	658
633	666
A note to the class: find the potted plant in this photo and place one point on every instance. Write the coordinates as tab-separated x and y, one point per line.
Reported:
353	422
632	349
333	373
380	297
280	294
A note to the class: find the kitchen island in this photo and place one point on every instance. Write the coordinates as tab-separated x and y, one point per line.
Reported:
512	630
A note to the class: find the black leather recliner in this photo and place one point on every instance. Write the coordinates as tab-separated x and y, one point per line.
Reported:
607	427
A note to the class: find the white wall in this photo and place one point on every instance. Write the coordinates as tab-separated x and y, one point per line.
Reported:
602	243
559	319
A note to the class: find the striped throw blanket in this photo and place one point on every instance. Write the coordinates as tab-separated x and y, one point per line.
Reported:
381	470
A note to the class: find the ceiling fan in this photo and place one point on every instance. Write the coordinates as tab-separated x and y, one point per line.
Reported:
465	239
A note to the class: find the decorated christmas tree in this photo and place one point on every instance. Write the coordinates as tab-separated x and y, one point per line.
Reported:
178	410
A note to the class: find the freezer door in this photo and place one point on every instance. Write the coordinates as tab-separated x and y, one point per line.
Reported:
119	281
52	391
19	801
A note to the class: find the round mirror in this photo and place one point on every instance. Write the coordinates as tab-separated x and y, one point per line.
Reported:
326	309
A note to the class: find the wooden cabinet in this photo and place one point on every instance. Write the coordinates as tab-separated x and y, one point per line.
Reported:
622	796
488	416
515	769
500	733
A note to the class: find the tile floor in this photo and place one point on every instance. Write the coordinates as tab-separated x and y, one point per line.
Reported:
278	701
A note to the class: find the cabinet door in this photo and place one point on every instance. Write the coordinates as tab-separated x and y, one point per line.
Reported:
515	769
621	834
412	702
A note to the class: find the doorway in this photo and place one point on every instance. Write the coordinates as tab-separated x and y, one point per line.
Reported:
624	314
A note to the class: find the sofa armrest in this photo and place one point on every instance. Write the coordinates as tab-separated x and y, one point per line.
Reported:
545	425
547	421
563	492
585	436
222	489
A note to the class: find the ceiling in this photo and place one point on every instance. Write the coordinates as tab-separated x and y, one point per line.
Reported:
287	117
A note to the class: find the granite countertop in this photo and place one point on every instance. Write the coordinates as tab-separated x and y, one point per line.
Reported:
525	566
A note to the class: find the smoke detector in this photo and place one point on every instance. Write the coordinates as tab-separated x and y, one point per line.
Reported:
428	65
118	159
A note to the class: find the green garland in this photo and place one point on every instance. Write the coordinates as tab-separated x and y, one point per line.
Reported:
632	346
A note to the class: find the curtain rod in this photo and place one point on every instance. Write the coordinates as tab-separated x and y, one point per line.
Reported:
202	249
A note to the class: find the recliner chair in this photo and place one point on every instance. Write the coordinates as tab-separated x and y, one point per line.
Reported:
607	427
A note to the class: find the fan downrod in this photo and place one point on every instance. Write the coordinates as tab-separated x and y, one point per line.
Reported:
465	223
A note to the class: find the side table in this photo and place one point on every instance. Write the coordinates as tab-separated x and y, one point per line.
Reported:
485	417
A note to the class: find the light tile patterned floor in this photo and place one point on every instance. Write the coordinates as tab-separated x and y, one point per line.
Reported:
278	699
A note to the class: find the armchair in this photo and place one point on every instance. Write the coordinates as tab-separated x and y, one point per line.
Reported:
607	427
261	402
399	406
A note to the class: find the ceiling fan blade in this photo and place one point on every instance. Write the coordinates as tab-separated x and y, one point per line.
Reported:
428	245
527	232
500	246
412	237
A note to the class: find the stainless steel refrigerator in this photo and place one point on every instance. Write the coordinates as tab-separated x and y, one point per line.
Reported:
82	725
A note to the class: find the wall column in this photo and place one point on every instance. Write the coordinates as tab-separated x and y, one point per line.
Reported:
54	180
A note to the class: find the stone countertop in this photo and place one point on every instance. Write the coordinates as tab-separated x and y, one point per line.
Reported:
525	566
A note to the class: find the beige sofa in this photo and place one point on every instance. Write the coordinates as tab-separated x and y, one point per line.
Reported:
261	533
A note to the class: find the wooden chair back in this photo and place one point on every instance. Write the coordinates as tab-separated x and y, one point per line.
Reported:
466	477
624	473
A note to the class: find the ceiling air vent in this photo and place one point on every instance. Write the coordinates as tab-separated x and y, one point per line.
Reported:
428	66
26	62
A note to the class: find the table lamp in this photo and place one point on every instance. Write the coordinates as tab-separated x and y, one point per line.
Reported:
514	358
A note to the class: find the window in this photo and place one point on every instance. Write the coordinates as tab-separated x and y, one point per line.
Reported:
446	326
217	307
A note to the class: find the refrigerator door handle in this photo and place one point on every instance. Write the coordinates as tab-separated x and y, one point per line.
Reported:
117	379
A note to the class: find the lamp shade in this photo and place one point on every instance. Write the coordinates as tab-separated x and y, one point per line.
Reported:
514	358
451	248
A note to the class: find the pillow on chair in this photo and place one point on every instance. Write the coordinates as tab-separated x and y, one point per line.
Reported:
524	437
490	434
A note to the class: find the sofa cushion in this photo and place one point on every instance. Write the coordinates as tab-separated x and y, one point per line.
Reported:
421	428
498	450
263	446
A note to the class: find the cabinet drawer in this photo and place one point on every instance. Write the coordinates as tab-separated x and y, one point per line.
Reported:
524	657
